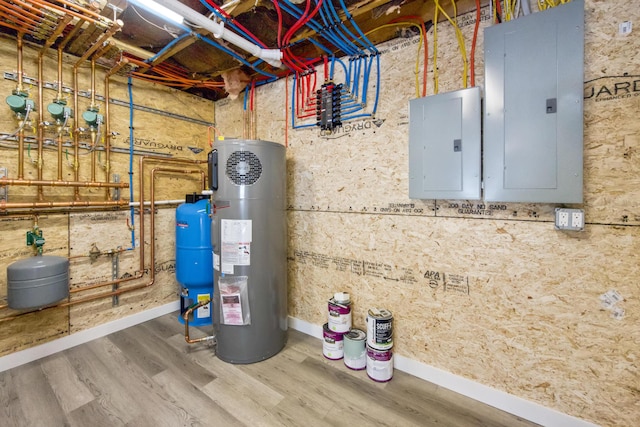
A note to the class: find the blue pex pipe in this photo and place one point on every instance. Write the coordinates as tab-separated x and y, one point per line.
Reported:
167	47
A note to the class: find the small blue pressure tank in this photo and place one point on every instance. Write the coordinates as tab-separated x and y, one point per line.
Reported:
194	262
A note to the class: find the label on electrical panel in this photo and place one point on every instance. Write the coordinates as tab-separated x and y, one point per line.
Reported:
205	310
216	262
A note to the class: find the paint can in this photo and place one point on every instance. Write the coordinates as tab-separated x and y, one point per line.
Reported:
379	329
332	343
355	352
339	310
379	364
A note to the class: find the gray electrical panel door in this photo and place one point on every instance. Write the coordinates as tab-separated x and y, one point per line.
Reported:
533	119
444	145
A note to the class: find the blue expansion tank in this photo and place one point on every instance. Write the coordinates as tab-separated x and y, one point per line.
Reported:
194	262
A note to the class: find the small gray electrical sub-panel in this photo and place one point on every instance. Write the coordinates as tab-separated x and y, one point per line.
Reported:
533	119
444	145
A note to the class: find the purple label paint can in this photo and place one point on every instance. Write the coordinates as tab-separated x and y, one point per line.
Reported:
379	329
332	343
379	364
355	353
339	313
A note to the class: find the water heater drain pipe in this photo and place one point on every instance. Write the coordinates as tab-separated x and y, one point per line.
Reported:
186	315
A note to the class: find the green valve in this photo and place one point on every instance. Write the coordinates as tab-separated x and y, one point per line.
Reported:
35	239
92	118
56	110
19	103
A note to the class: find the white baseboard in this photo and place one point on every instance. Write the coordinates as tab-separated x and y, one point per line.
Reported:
34	353
498	399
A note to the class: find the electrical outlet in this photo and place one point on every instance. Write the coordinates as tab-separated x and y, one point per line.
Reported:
569	219
562	219
577	219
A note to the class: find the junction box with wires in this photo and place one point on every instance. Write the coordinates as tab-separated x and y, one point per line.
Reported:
328	106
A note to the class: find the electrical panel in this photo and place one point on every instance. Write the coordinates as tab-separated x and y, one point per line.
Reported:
445	145
533	118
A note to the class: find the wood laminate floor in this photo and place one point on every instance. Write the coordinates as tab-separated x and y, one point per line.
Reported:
148	375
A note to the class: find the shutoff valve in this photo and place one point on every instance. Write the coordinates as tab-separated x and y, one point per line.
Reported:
35	239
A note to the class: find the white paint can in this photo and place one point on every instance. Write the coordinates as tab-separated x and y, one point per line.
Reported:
379	364
339	313
379	329
355	352
332	343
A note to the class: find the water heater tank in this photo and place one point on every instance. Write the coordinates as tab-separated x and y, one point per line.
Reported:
194	264
37	281
249	237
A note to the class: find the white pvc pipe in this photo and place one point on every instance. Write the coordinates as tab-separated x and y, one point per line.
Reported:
270	56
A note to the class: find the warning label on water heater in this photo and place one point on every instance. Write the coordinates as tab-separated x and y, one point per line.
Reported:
236	236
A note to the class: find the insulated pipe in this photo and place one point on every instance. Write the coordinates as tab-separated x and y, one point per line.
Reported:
270	56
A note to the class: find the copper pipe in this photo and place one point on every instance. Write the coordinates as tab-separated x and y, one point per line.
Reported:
94	141
152	210
105	48
30	182
40	136
107	123
117	26
185	316
59	95
22	14
19	88
27	6
93	83
4	205
62	24
16	28
152	255
84	14
76	134
22	20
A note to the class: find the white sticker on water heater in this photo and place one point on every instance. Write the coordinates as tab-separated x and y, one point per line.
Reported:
236	230
236	244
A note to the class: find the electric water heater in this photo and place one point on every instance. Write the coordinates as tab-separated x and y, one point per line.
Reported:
249	240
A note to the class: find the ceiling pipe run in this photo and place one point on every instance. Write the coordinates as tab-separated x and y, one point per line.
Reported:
270	56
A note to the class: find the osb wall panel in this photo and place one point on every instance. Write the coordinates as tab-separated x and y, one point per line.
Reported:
168	124
490	292
504	303
163	290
